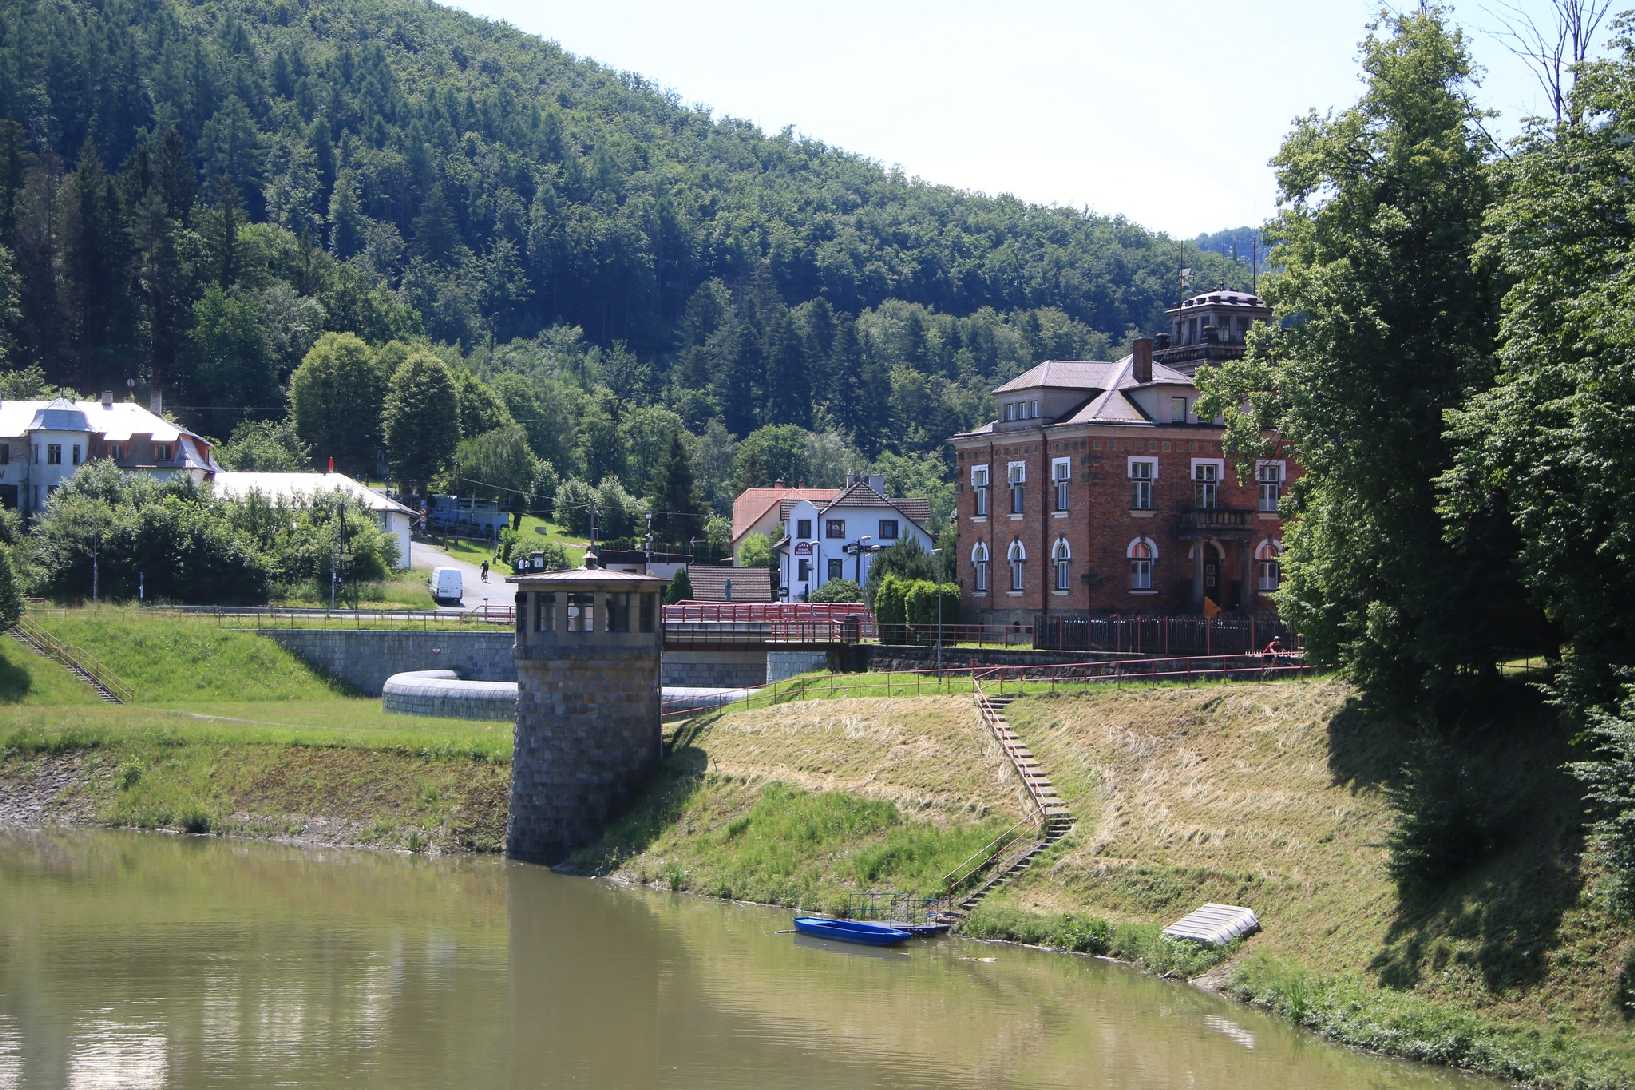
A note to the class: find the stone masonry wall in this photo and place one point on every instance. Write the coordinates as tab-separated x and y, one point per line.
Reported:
587	733
725	669
364	660
443	693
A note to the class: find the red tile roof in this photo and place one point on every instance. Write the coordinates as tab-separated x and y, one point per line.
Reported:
753	503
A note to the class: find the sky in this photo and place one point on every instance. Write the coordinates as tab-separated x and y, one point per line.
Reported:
1165	113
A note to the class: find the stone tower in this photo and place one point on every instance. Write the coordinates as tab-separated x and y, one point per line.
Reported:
587	650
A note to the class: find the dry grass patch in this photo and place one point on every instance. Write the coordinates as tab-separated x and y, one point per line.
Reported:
1273	796
931	756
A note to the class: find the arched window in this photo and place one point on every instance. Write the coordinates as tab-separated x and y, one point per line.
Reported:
1142	554
1269	564
1061	556
979	564
1017	554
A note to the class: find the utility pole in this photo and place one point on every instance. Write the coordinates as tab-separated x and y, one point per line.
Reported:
647	558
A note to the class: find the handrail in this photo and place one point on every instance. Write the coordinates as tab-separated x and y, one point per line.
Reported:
74	658
981	858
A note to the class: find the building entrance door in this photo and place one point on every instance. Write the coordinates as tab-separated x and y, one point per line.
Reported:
1212	574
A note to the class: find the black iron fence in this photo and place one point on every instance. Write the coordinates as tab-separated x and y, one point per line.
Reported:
1185	635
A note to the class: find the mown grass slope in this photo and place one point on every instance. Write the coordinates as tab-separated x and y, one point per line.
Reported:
811	804
1274	796
174	659
29	678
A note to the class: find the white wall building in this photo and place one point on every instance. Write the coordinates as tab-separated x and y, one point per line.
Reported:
303	488
837	539
43	443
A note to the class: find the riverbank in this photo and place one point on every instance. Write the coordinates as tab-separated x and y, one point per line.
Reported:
1271	795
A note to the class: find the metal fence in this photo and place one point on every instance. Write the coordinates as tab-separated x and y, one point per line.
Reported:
1163	635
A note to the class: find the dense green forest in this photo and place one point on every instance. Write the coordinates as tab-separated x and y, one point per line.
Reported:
193	191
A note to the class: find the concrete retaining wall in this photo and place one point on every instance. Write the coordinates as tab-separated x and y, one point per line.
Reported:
714	669
786	664
441	692
364	660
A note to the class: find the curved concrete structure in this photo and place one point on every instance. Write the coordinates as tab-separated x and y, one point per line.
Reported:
443	693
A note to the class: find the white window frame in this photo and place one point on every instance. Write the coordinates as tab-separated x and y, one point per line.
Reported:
979	485
1270	473
1206	489
1017	557
1269	564
1141	566
1016	474
1061	473
1061	556
1010	411
1140	485
979	565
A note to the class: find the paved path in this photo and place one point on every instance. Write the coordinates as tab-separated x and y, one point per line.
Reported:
499	595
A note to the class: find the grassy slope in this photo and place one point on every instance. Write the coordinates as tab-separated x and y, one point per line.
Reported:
809	804
402	590
27	678
170	659
1274	796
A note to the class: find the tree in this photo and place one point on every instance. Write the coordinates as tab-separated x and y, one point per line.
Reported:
1541	457
1392	324
1552	53
267	446
497	464
11	598
680	588
336	398
480	408
837	590
674	499
769	454
420	419
907	561
757	552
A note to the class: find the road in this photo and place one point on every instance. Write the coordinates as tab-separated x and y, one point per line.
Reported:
496	592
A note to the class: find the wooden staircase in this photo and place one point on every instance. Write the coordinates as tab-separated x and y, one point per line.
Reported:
1050	823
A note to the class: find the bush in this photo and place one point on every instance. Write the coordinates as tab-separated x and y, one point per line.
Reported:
922	598
1446	817
891	601
680	588
837	590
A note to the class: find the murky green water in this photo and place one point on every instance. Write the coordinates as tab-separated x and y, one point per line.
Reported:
148	961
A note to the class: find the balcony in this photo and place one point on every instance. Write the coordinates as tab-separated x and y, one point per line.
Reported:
1192	522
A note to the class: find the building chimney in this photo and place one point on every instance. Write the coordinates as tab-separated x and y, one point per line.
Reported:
107	399
1161	341
778	483
1142	364
156	402
878	483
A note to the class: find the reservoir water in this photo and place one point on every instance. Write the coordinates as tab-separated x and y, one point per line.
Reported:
138	961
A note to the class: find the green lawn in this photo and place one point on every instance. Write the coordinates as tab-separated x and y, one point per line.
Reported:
535	533
171	658
27	678
330	722
402	590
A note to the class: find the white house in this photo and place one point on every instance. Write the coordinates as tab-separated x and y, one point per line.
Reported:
303	488
43	443
837	539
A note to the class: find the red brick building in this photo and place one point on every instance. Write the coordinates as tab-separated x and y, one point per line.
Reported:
1098	489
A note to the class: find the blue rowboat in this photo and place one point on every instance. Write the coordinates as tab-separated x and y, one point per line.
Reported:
869	934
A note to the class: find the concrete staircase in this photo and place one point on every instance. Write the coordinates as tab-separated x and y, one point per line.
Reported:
1054	818
33	642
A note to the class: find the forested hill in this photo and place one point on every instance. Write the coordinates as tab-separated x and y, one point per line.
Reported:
192	190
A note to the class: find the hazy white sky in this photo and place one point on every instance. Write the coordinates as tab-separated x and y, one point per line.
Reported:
1164	112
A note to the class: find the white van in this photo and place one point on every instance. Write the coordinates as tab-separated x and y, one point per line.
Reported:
446	585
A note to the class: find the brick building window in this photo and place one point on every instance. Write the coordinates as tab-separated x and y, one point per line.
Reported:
979	487
979	566
1017	554
1269	481
1061	472
1142	472
1017	476
1206	478
1061	558
1269	564
1142	554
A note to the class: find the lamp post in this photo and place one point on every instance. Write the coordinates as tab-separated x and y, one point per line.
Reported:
862	547
937	589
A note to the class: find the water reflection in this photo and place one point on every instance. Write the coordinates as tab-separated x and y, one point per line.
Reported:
138	961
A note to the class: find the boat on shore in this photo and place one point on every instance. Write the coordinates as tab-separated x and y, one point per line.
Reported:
859	931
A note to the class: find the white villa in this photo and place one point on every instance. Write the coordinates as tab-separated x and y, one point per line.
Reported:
303	488
837	538
43	443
